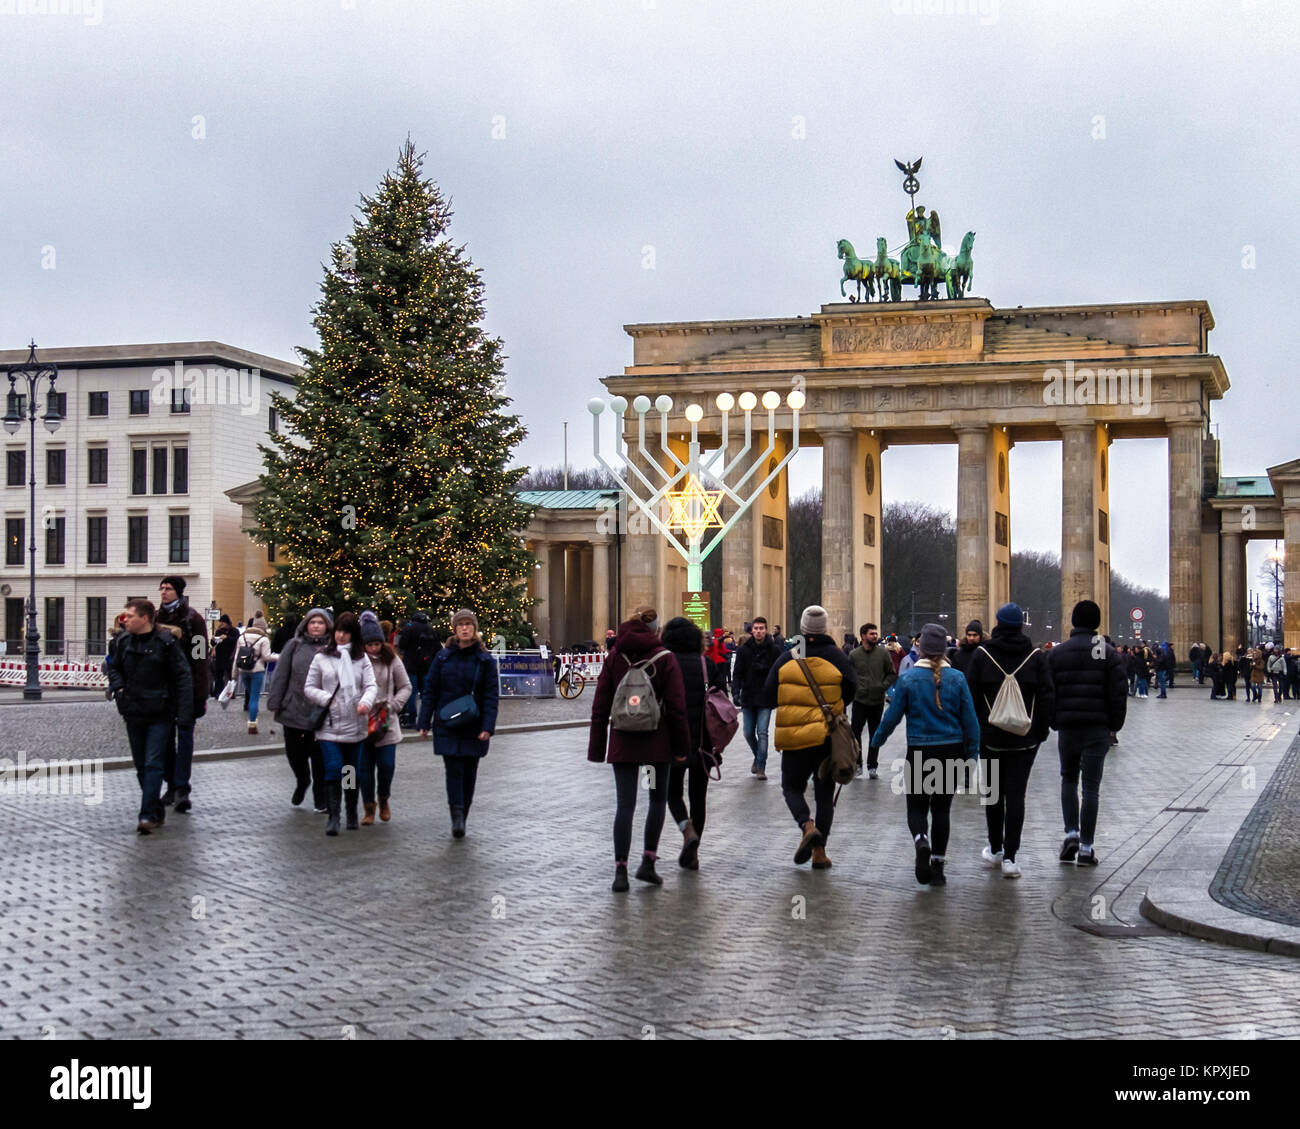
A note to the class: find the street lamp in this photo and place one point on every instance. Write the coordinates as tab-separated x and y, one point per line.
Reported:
1277	556
32	373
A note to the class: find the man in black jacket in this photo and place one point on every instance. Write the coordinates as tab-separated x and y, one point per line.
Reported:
749	691
175	611
1009	757
1091	703
965	650
149	679
416	645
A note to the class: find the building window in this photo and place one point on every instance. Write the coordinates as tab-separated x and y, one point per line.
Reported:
55	540
96	625
99	403
160	470
97	540
15	533
137	539
97	466
178	539
139	470
272	420
53	637
61	403
16	468
180	470
139	402
56	466
181	399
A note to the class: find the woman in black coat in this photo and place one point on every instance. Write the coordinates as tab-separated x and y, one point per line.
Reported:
686	641
1230	675
224	639
1214	668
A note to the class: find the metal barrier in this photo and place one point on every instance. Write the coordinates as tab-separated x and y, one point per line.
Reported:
54	674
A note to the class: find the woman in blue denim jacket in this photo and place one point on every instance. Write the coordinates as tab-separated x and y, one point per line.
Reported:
943	736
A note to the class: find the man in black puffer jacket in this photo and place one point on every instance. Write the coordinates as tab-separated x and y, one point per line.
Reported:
1091	703
1009	757
149	679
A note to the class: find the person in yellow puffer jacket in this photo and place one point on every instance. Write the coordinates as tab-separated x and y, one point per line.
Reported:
802	736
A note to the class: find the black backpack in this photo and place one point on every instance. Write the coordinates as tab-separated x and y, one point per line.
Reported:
246	659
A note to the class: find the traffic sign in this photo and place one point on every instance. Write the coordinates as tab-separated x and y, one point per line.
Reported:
1137	615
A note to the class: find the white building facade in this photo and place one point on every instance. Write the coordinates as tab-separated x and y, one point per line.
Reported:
132	486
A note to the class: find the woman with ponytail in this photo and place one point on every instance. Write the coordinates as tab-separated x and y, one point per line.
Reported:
942	728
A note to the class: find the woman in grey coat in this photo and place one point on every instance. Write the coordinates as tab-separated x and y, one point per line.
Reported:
292	710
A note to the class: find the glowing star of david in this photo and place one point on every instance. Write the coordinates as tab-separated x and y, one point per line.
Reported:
694	510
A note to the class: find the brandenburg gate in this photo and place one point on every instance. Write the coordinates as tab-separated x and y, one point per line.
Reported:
935	372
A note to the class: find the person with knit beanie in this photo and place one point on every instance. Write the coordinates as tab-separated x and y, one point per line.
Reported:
802	735
1007	756
248	665
287	700
379	751
1091	704
943	737
462	671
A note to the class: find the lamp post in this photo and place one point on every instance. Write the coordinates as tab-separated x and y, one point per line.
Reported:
32	373
1277	556
694	509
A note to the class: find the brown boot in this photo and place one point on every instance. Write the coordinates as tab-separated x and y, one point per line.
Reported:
811	838
384	813
820	861
252	728
369	817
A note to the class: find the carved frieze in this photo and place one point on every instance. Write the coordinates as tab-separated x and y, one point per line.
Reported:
901	338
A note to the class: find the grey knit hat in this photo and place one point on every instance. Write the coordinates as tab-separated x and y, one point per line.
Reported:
371	632
814	620
934	641
465	615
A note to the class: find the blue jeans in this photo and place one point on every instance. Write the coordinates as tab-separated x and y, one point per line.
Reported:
149	751
382	758
337	754
756	722
1160	681
253	680
1142	686
179	757
1082	751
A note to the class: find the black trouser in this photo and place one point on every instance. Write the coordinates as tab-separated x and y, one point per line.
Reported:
306	761
462	775
626	783
698	790
1006	816
928	811
868	714
796	766
1082	751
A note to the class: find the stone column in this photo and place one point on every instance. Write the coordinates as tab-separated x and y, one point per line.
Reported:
555	592
1233	570
1291	574
868	544
837	531
573	608
541	614
739	551
1185	503
973	527
586	608
1078	548
602	617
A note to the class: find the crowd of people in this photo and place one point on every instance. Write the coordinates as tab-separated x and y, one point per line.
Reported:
666	704
339	688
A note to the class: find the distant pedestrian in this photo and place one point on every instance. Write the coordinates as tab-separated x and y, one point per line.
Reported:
175	611
379	751
875	674
342	681
943	738
1230	672
459	702
224	639
802	735
1214	669
149	678
1008	757
749	691
971	642
631	752
1258	674
416	646
913	655
1091	704
686	641
249	664
287	630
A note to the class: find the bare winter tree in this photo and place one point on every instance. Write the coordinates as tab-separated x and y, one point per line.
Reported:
580	478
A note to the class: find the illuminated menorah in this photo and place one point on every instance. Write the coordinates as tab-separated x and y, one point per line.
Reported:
693	509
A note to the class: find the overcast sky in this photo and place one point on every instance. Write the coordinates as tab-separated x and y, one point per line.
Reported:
190	163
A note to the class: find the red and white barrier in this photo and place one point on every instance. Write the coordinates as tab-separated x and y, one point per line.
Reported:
54	675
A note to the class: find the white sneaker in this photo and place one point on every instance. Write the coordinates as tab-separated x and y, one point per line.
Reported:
991	859
872	774
1010	868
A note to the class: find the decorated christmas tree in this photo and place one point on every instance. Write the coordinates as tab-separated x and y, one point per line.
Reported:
387	485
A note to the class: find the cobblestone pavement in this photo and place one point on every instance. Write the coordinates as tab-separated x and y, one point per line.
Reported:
1260	874
243	920
90	727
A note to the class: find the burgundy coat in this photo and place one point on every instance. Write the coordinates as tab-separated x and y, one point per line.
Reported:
636	642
